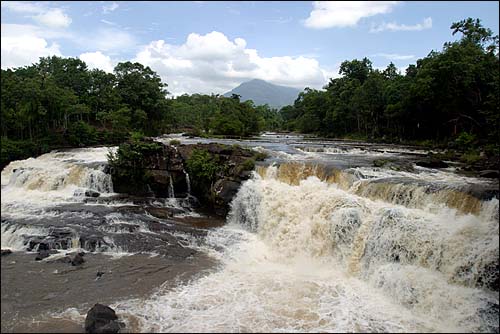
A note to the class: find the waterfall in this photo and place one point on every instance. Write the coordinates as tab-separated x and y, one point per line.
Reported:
55	177
303	254
441	260
188	182
306	248
171	193
411	190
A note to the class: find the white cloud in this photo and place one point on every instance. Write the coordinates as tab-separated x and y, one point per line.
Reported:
109	8
98	60
53	18
394	56
50	17
21	47
328	14
212	63
426	24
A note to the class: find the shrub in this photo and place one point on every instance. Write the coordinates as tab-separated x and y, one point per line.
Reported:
465	140
82	134
174	142
16	150
470	157
247	165
202	166
259	156
128	164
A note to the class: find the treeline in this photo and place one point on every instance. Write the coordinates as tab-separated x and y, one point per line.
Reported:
219	115
59	102
448	96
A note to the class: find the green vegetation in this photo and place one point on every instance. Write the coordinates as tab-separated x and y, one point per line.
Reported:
449	97
174	142
200	115
128	163
202	168
59	102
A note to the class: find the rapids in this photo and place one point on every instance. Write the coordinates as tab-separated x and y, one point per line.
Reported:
318	240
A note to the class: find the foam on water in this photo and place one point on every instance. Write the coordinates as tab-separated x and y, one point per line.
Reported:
314	257
52	178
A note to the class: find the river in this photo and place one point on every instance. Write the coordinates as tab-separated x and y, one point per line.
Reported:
318	240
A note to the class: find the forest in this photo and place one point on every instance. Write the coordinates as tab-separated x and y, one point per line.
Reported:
450	97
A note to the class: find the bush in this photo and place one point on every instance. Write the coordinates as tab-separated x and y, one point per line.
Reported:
247	165
174	142
128	164
202	166
470	157
465	141
16	150
82	134
259	156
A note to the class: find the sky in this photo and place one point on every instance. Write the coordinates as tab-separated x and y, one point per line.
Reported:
213	46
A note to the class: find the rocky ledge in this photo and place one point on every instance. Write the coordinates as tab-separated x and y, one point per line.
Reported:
211	172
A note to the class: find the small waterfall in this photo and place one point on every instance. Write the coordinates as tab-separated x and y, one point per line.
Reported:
16	237
171	193
55	177
188	182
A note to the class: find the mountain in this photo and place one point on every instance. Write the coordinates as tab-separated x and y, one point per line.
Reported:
262	92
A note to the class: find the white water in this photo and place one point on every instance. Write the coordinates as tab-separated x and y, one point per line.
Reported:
313	257
55	177
301	254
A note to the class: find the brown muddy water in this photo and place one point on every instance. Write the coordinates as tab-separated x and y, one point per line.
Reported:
319	240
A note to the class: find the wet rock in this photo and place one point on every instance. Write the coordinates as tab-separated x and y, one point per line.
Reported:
77	260
494	174
432	163
224	191
165	167
6	252
162	213
102	319
42	255
397	165
65	259
92	193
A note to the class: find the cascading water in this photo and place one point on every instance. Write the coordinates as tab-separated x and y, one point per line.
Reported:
171	192
188	182
304	254
307	248
54	178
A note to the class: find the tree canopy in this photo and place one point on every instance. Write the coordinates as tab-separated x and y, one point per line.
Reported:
448	95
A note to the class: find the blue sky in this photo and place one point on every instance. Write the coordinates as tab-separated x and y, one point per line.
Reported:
204	46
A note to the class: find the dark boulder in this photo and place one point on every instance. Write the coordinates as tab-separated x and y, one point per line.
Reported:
92	193
77	260
6	252
102	319
432	163
42	255
224	191
65	259
494	174
397	165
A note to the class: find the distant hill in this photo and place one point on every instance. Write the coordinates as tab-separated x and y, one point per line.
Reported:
262	92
